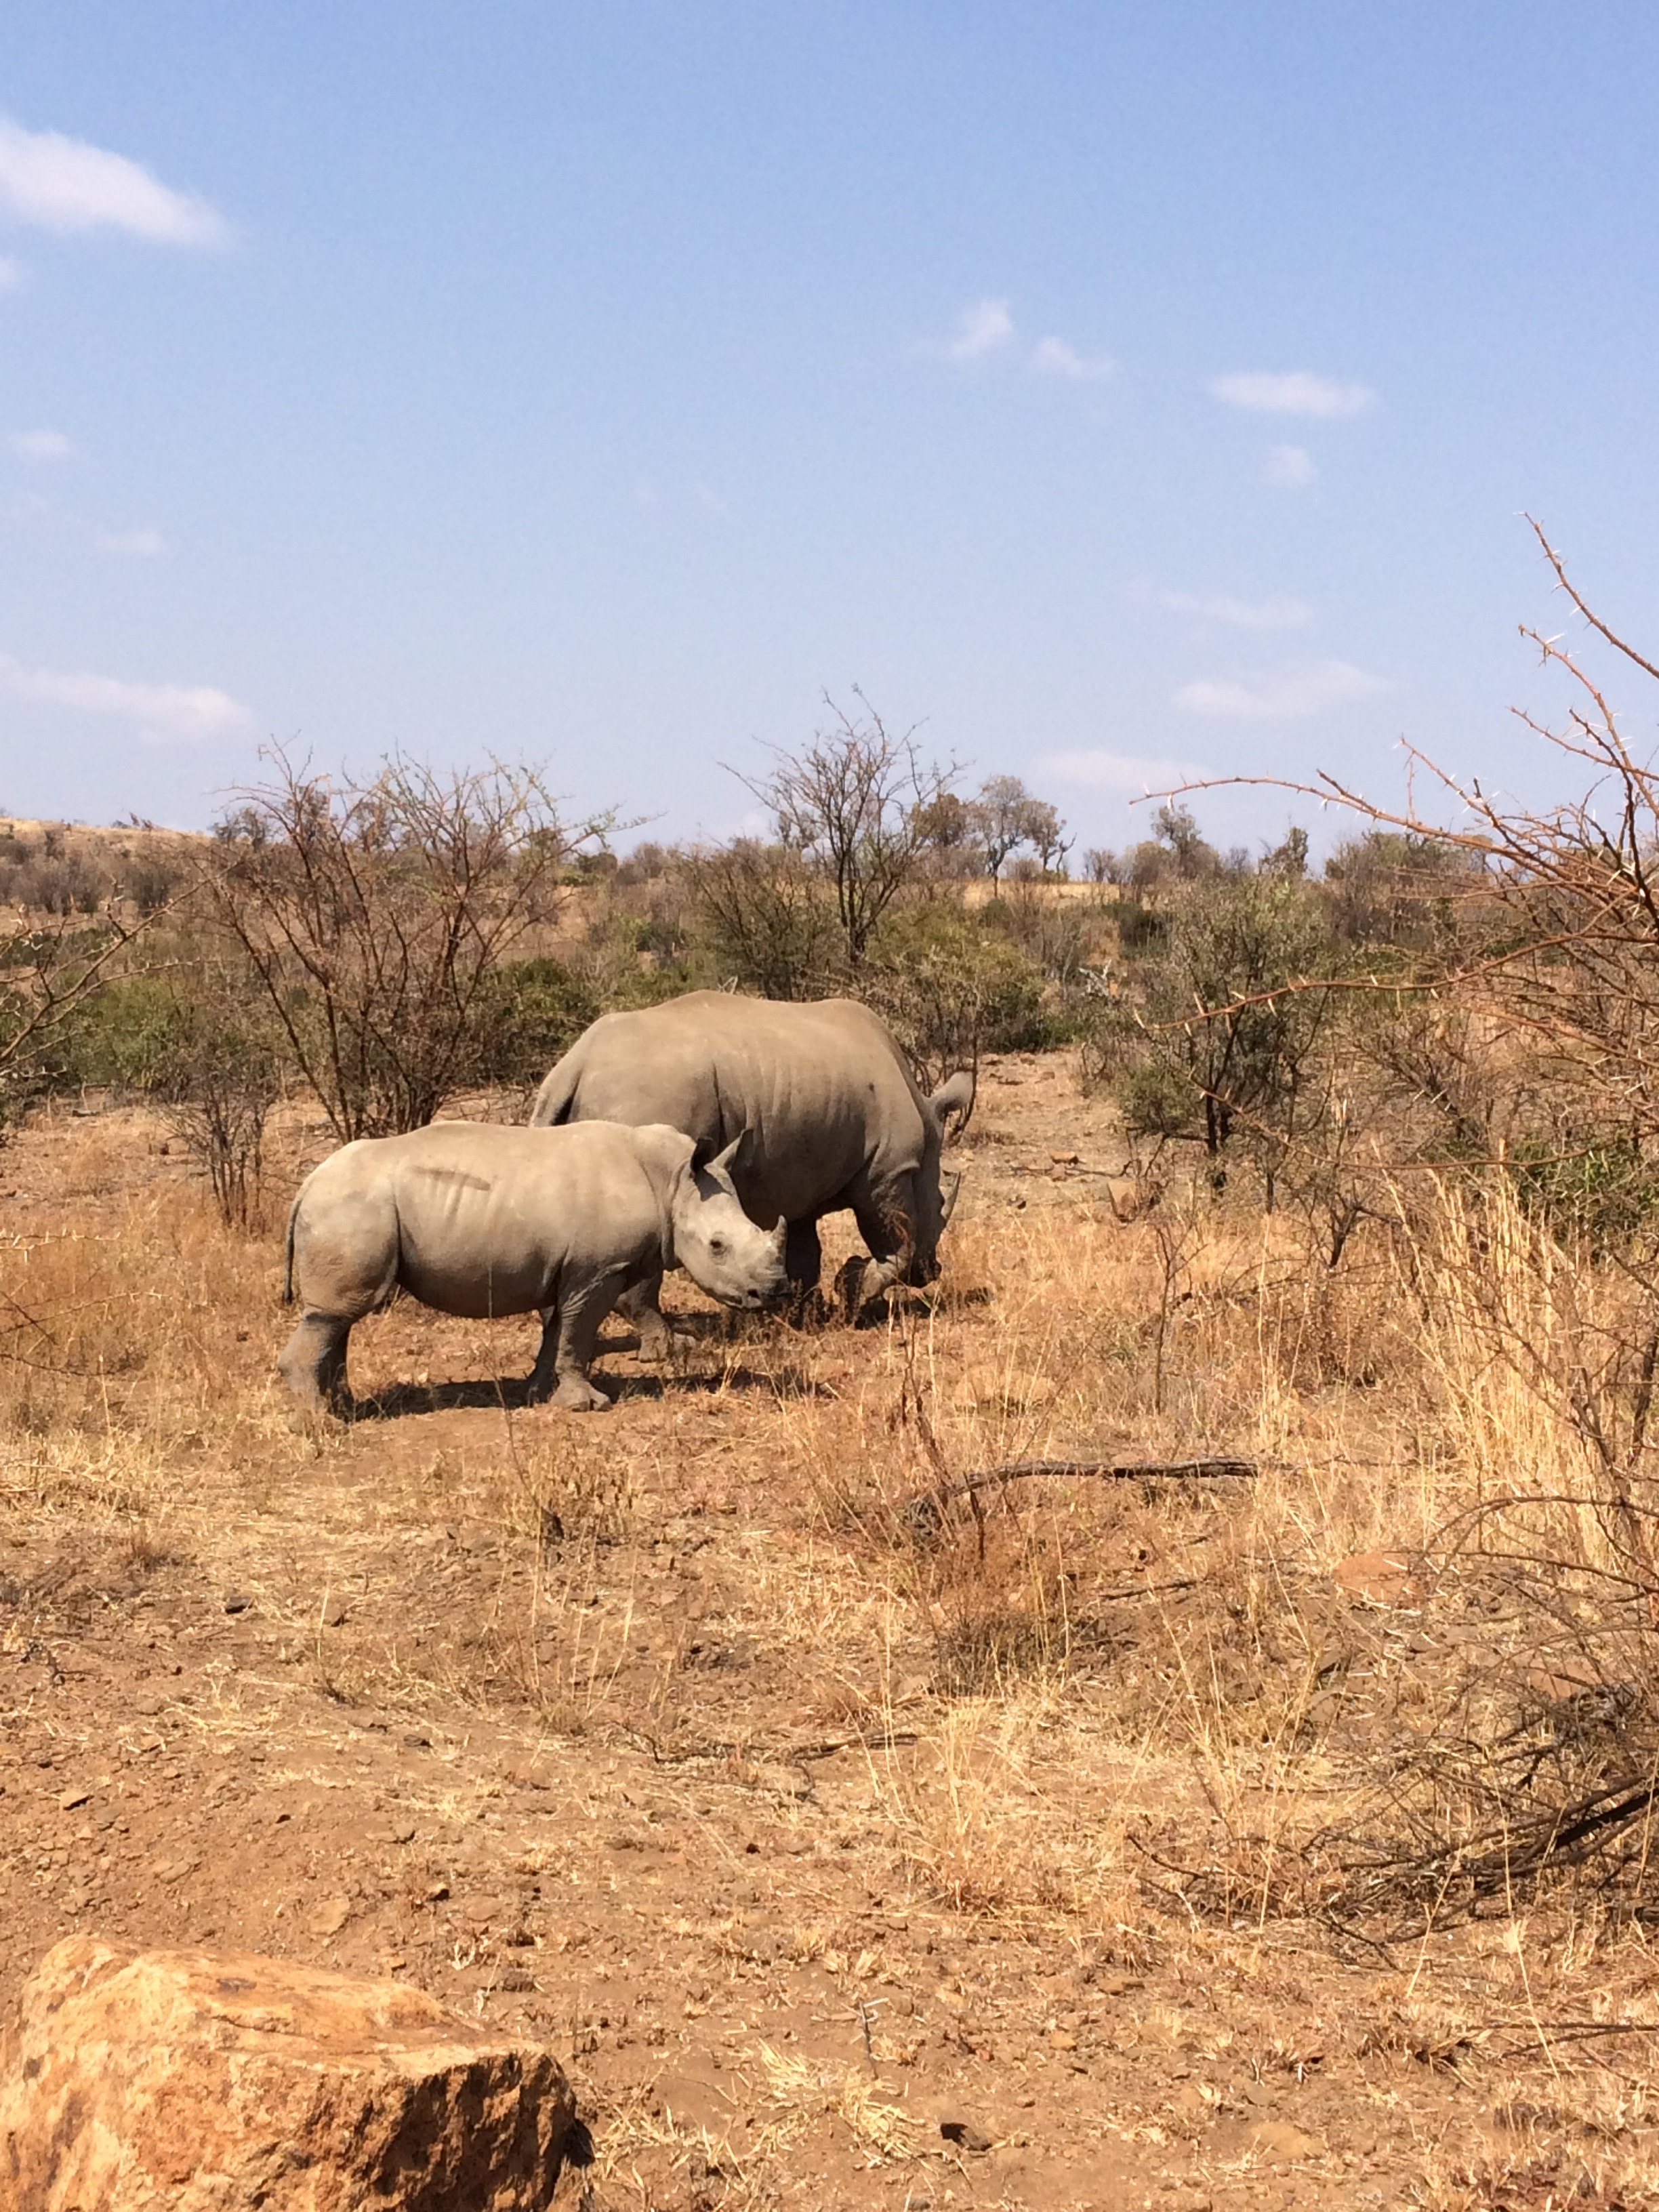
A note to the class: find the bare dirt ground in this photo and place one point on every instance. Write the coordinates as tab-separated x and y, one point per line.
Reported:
832	1851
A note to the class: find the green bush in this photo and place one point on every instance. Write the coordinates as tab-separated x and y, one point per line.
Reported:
533	1012
132	1035
951	989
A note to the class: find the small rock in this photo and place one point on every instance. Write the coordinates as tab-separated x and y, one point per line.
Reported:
401	1832
412	1742
1399	1578
237	1601
201	2079
72	1798
331	1916
967	2134
1282	2139
434	1893
173	1870
1064	1159
335	1612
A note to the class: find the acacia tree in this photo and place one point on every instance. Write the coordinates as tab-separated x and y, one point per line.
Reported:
372	914
859	806
1007	815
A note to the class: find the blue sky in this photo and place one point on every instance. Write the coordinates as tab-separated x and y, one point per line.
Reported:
1113	390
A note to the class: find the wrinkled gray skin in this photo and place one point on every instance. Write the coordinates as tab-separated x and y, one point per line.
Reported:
482	1221
820	1097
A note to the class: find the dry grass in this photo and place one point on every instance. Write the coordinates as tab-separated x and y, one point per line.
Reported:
1136	1717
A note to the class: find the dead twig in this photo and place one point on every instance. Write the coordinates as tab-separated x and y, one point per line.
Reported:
925	1512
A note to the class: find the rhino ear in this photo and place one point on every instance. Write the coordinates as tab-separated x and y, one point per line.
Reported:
705	1160
725	1164
954	1100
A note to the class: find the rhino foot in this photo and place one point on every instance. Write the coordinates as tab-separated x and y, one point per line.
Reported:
577	1395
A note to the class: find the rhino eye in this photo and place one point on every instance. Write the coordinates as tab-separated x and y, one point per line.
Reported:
717	1243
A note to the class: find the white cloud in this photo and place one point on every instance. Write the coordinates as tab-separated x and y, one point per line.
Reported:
64	185
146	544
1280	612
1129	772
983	329
1296	393
11	273
1288	694
1289	467
1053	357
169	710
42	446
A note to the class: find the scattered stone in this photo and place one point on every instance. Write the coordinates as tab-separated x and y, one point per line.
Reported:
412	1742
237	1601
331	1916
173	1870
1065	1159
72	1798
435	1893
1398	1577
966	2133
335	1612
198	2080
1283	2139
401	1832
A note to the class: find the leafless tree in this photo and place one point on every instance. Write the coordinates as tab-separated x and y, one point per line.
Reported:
371	914
858	805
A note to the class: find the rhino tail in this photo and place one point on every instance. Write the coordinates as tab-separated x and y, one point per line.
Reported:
558	1094
287	1255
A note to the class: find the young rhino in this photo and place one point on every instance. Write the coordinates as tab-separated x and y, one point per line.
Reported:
480	1220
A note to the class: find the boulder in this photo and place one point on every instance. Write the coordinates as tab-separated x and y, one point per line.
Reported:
134	2081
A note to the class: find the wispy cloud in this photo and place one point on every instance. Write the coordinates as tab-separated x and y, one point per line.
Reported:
169	710
146	544
11	273
1280	612
63	185
1300	392
42	446
1285	695
1054	357
984	328
1126	772
1289	468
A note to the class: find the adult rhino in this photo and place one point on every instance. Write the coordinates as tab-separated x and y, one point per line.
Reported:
818	1101
481	1220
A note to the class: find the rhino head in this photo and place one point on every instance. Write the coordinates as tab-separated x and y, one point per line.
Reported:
723	1251
949	1106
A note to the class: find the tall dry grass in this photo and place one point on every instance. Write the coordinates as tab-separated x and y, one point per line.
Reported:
1080	1694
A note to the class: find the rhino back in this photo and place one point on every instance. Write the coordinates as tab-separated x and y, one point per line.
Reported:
493	1220
822	1087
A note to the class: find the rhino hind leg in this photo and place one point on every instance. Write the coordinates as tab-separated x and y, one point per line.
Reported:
312	1363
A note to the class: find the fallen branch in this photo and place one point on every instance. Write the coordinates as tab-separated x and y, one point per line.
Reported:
925	1511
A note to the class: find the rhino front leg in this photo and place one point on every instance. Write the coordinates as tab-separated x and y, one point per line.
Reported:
570	1333
889	1230
312	1363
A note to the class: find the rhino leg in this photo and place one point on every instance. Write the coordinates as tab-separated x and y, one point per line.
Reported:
570	1333
803	1257
314	1365
888	1227
640	1308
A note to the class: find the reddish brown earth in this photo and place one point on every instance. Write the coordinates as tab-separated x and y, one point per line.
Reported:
515	1706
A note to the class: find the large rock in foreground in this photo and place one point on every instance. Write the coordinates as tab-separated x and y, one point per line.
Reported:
133	2080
